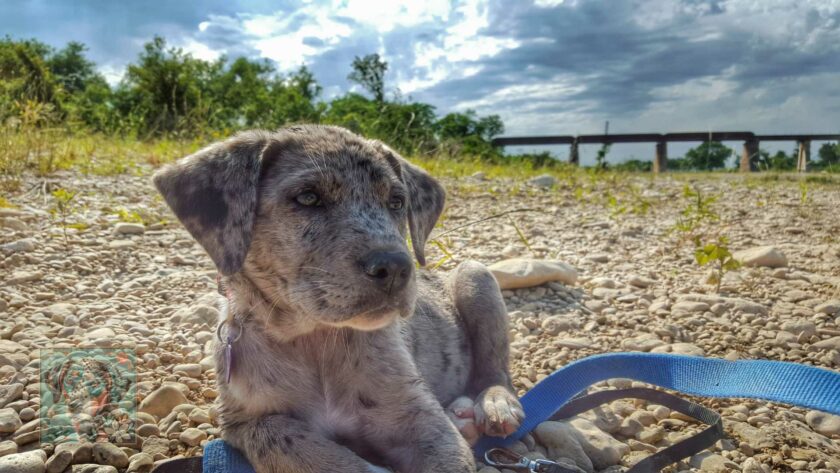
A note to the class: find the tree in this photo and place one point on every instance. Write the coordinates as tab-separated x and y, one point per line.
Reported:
709	155
780	161
369	72
170	90
829	154
25	76
71	68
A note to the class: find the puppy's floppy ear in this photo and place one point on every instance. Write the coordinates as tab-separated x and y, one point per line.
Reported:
426	199
214	194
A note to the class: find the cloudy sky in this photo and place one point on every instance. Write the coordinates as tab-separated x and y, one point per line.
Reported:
545	66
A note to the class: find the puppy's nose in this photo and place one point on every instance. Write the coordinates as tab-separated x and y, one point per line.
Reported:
391	270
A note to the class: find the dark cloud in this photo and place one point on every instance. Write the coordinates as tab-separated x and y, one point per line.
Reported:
647	65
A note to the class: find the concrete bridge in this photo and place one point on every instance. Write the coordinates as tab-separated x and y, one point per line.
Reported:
660	160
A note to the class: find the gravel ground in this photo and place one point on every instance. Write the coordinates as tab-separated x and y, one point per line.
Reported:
149	287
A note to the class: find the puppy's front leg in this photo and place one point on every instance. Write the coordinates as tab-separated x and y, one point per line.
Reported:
282	444
423	439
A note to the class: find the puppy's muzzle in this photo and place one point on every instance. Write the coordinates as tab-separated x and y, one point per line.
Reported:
389	271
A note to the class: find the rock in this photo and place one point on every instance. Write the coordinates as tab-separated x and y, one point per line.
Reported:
125	228
601	448
98	333
28	462
561	441
712	462
823	423
751	465
60	310
640	281
9	421
82	451
832	343
140	463
8	447
21	277
13	224
641	343
796	327
689	307
680	349
121	244
155	446
831	307
519	272
197	314
193	370
106	453
767	256
58	462
93	468
9	392
192	436
558	323
19	246
161	402
757	438
545	181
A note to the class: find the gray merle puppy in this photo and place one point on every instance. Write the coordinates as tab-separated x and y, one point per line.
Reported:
343	356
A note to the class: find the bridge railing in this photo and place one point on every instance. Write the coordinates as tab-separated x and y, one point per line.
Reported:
660	160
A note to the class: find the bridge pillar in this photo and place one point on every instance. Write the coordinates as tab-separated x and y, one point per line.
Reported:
804	155
750	151
660	162
574	156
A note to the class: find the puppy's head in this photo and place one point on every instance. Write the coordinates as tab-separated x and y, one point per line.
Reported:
317	214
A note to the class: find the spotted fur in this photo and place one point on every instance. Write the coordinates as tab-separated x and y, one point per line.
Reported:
334	373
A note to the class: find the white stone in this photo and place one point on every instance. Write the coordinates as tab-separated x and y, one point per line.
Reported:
28	462
543	180
831	307
823	423
161	402
126	228
519	272
767	256
9	421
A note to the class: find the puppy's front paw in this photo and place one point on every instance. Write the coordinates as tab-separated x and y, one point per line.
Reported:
461	413
498	412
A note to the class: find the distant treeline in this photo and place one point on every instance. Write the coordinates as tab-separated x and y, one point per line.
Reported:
166	92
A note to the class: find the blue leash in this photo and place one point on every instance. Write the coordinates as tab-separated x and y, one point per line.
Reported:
789	383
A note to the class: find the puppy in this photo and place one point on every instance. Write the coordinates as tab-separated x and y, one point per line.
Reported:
337	354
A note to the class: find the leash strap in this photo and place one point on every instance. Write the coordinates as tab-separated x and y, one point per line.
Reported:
683	449
555	397
789	383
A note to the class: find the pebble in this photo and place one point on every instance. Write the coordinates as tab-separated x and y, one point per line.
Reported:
520	273
59	461
126	228
192	436
28	462
9	421
831	307
106	453
767	256
545	181
161	402
19	246
823	423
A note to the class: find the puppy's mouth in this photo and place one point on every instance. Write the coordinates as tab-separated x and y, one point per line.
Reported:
370	320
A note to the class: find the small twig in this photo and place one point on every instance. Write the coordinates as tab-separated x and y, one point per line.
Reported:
459	227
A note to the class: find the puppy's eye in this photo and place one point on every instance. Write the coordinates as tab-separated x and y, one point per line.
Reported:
396	202
309	199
